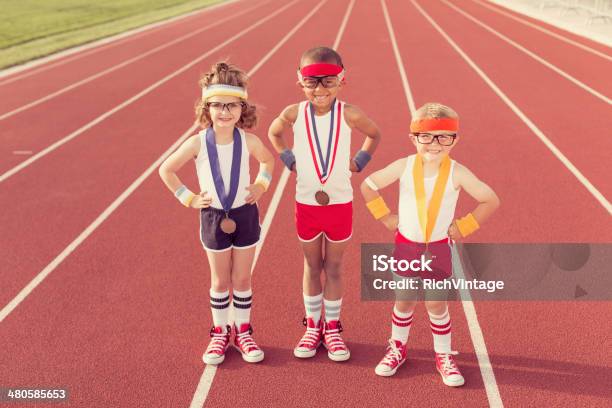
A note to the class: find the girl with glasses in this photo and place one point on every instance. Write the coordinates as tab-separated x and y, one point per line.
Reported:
229	217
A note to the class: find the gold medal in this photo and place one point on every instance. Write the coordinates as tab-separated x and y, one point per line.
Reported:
228	225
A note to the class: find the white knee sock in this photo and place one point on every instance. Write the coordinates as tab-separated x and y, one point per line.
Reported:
441	331
219	305
313	306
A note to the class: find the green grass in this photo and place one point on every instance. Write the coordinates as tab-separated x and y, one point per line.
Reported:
34	28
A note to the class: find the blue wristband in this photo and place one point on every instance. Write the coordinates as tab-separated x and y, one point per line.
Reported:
288	158
361	159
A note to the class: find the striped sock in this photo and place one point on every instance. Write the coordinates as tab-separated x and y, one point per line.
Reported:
441	331
242	306
400	325
332	309
219	304
313	307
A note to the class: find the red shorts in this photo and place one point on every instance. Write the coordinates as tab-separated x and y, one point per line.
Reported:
335	221
441	265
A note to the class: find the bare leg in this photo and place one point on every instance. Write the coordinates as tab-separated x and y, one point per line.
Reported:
220	270
436	307
332	264
404	306
313	265
242	262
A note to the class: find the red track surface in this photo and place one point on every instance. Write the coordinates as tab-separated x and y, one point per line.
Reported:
124	319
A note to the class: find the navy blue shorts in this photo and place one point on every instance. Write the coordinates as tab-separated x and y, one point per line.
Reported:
247	228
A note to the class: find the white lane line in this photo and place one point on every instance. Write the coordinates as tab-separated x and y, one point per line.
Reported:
398	59
546	31
486	370
558	154
209	372
480	348
347	14
102	217
90	48
124	63
272	207
6	310
533	55
139	95
204	386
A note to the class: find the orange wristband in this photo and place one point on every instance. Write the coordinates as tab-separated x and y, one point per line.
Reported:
467	225
378	207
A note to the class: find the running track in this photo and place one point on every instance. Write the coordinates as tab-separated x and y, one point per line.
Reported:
115	302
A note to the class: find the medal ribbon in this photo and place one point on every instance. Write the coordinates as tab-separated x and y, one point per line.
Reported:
428	217
323	174
215	169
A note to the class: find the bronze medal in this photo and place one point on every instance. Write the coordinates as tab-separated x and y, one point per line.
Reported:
322	197
228	225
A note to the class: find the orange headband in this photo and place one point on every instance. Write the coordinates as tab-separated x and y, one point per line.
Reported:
426	125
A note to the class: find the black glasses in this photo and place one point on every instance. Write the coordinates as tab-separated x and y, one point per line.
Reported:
221	106
329	81
428	138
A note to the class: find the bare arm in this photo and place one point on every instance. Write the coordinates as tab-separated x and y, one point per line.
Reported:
260	152
488	201
280	125
168	169
358	120
266	164
383	178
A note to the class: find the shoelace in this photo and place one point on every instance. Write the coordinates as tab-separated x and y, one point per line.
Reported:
448	364
217	343
393	355
311	336
246	342
333	339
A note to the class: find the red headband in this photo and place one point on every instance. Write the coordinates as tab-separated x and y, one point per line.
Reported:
321	69
426	125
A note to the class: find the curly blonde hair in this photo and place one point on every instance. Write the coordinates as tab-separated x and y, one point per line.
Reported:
226	74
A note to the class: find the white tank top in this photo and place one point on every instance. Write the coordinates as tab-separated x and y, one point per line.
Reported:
225	162
338	184
408	216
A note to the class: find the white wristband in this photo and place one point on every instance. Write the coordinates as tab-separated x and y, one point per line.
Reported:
184	195
263	179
